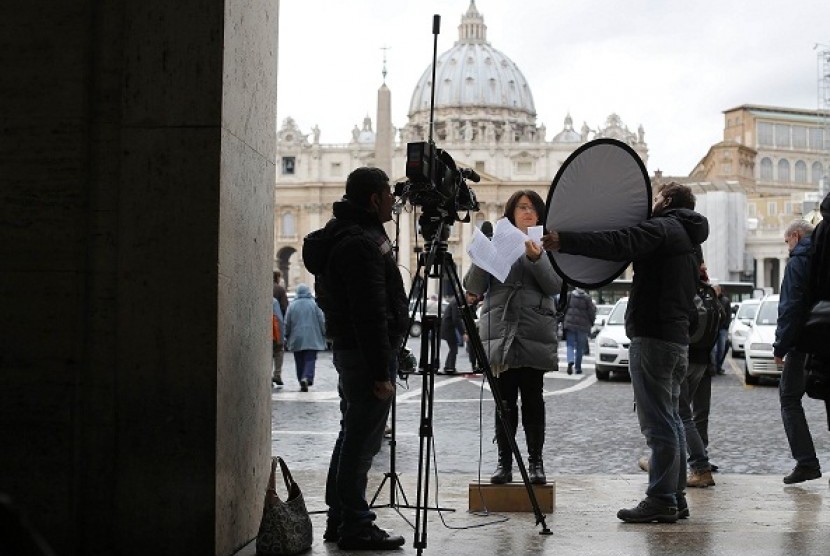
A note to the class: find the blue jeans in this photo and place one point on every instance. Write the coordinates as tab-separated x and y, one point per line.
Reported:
698	457
576	341
791	390
657	369
719	349
363	419
305	361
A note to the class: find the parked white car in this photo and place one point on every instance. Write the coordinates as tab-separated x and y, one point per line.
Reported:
740	326
612	343
599	320
758	347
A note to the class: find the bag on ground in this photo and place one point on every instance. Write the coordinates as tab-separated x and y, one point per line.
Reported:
285	528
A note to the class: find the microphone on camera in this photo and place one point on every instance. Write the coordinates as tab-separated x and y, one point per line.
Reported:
470	174
487	229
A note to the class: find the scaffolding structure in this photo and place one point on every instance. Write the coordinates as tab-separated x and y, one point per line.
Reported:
824	111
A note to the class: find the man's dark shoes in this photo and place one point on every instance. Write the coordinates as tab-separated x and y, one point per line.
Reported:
303	385
647	512
570	368
682	508
801	474
370	538
332	534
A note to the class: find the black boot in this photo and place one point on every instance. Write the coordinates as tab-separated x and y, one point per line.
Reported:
504	469
534	426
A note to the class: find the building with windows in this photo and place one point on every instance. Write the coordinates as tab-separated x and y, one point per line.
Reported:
774	158
485	119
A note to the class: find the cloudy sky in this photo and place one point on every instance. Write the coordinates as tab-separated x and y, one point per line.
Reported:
671	65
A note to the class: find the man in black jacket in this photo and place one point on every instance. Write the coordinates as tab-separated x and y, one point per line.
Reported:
657	321
361	293
793	308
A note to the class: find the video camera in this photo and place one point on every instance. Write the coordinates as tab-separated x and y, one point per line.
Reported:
437	185
434	181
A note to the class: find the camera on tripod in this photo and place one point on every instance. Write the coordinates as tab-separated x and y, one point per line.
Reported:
435	183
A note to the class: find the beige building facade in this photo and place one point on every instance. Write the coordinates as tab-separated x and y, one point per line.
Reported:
769	169
484	118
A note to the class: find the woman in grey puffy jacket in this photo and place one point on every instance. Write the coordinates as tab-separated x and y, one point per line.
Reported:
518	331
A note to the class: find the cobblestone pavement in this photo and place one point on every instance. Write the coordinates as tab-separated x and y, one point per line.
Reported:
591	425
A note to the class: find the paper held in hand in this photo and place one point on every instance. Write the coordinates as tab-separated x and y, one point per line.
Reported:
496	256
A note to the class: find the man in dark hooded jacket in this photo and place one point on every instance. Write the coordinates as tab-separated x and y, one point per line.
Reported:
361	293
793	307
657	321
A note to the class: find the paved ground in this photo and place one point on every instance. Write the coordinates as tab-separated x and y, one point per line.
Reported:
591	425
593	442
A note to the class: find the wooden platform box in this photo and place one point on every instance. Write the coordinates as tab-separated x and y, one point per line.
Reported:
511	497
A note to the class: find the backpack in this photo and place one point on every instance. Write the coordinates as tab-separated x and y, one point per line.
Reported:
817	381
317	248
706	317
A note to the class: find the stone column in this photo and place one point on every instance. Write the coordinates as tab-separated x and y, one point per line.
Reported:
136	270
782	264
760	273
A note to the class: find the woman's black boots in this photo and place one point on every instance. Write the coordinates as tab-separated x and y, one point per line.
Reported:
504	470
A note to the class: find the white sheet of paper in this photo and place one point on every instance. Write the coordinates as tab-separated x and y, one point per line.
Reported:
496	256
535	233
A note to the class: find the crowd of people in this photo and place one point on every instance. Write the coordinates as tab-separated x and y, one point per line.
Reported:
361	308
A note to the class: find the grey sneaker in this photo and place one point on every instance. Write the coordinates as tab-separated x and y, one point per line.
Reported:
643	463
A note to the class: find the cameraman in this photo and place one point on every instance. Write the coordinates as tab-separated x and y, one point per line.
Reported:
362	295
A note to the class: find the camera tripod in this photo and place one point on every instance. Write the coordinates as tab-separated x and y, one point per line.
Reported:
437	262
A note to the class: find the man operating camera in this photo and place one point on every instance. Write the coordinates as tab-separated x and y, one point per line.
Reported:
362	295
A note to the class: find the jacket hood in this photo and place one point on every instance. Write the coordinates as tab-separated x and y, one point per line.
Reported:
303	291
802	247
695	224
348	210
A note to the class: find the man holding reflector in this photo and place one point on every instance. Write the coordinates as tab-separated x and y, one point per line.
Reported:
657	321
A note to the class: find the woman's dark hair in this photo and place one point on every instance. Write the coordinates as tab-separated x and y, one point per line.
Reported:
538	204
681	195
363	182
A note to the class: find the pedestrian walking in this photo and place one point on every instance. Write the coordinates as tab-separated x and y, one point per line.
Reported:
696	388
473	301
518	331
279	292
657	321
793	308
718	353
305	332
452	332
579	317
278	334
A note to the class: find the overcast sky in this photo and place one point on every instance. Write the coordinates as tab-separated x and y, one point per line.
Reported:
671	65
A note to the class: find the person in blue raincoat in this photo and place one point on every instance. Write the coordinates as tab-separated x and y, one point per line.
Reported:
305	333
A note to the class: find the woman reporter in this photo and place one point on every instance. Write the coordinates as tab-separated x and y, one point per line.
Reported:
518	331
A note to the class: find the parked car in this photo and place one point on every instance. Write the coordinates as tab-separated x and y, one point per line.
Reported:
612	343
740	326
432	309
599	320
758	347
